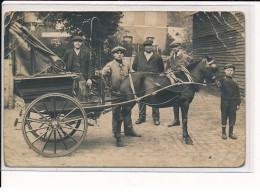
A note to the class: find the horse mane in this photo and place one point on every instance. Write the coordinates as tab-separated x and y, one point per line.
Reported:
193	65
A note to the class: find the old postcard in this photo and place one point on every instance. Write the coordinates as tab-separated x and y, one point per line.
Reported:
125	88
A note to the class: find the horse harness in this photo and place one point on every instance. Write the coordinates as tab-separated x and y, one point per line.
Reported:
133	88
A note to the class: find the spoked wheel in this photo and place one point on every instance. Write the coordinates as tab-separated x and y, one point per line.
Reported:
54	125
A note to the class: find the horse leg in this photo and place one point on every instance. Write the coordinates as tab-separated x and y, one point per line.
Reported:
184	111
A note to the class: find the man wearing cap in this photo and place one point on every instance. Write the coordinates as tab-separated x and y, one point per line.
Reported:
118	71
178	58
77	61
230	100
148	61
177	61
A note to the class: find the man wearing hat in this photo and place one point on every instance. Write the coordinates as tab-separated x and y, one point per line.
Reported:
177	61
77	61
148	61
118	71
230	100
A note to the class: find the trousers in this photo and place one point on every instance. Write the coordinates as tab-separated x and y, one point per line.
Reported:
142	112
121	114
80	88
228	110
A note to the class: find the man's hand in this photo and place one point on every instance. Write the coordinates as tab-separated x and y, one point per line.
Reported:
162	74
98	73
238	107
89	82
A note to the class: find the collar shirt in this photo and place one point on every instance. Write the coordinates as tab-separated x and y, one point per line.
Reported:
117	71
176	55
148	55
77	51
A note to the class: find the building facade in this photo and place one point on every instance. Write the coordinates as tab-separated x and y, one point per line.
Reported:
222	36
140	26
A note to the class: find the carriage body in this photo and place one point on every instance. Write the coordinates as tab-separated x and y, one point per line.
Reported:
54	122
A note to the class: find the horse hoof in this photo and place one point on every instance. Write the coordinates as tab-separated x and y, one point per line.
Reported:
188	141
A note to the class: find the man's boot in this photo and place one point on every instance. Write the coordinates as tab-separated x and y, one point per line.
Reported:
140	120
224	136
231	135
119	142
174	123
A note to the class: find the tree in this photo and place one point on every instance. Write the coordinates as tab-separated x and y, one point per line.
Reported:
78	23
182	19
167	49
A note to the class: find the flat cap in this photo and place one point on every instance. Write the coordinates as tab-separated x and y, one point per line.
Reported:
118	48
175	43
148	43
77	38
230	66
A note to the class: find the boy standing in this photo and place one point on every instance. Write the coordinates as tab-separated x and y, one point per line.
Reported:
230	101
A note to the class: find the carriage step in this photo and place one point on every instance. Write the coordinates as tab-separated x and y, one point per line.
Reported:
16	122
21	113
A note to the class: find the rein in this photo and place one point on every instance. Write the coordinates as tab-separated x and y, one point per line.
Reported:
151	73
165	101
132	86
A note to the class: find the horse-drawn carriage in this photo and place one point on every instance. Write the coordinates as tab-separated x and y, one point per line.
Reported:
54	121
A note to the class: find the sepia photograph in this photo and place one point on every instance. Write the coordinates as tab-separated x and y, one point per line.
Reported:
124	89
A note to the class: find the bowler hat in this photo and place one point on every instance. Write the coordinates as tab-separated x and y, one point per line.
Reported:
77	38
148	43
118	48
230	66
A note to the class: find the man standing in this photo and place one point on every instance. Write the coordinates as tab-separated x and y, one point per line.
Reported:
118	71
178	60
148	61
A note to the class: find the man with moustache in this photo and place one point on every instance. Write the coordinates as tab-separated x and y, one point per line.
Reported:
148	61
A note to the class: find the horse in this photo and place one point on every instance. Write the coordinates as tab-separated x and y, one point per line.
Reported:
177	95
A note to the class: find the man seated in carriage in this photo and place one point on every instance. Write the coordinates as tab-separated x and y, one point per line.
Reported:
77	60
117	71
178	61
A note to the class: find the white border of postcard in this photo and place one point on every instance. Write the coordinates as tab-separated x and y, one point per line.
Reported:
247	8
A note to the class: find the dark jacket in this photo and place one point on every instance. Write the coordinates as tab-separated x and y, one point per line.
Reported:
181	60
153	65
229	89
85	65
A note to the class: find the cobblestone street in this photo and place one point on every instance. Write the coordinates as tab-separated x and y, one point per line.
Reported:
159	146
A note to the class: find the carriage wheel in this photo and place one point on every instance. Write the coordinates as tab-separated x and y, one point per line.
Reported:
74	124
54	125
